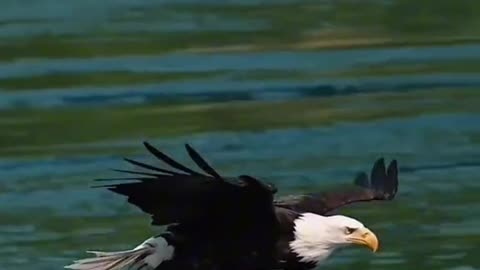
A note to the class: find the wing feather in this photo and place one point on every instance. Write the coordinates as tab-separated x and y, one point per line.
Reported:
169	160
382	185
190	197
149	167
201	162
362	180
138	173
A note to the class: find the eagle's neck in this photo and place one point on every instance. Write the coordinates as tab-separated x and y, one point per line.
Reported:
311	243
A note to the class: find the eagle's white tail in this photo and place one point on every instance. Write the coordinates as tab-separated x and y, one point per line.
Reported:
148	255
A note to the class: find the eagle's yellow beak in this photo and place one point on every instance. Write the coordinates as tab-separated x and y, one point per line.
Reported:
364	236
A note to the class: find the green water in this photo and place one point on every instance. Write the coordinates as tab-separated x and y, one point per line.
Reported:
300	93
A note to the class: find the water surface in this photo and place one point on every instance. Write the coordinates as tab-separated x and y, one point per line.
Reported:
242	84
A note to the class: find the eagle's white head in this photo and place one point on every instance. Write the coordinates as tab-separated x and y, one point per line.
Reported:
316	237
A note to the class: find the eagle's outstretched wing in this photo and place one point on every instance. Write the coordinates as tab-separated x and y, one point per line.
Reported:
182	195
382	185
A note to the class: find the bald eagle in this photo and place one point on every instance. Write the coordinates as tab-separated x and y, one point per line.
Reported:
214	222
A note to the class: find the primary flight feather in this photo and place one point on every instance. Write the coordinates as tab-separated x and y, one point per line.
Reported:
229	223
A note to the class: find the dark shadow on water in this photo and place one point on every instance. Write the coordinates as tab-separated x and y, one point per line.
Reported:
456	165
197	92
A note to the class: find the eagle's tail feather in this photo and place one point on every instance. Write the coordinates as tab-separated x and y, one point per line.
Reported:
146	256
109	260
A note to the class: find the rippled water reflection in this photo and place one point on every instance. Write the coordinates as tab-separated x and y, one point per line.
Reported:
301	119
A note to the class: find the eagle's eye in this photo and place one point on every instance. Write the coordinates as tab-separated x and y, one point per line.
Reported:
349	230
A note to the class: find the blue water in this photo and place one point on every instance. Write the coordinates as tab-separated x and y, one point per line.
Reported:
227	87
49	215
